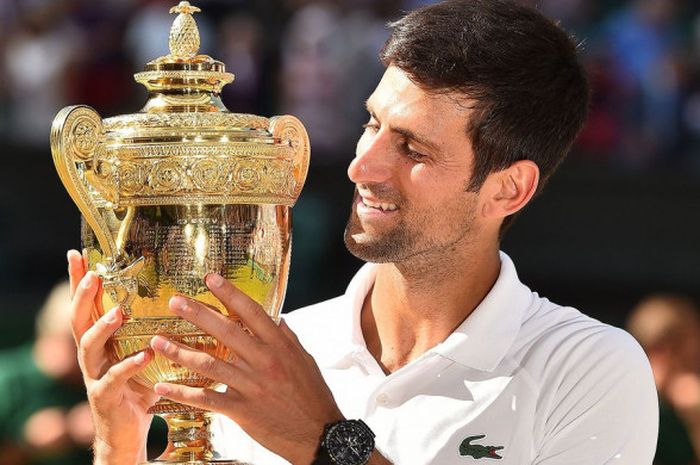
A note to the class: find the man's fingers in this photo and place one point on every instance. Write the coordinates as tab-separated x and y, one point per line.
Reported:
91	348
76	269
203	363
83	303
120	373
291	335
225	329
206	399
238	302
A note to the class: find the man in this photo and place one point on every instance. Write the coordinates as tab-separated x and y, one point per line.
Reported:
436	345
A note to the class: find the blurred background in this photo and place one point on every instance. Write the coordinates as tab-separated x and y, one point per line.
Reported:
620	221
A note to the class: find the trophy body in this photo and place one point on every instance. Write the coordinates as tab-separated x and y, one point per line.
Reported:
181	189
177	245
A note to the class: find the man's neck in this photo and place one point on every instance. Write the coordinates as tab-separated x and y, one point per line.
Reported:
414	306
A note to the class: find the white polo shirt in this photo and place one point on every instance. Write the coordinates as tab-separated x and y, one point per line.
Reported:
522	381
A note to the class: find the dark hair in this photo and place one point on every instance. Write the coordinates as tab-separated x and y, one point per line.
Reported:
519	67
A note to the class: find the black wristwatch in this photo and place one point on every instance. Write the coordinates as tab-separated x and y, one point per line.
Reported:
347	442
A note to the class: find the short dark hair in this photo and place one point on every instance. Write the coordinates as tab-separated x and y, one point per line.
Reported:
520	68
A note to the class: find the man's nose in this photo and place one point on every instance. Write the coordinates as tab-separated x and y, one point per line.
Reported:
373	162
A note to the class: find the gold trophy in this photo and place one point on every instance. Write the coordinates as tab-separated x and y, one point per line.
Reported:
173	192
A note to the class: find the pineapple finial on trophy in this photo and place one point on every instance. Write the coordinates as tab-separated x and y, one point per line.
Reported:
184	34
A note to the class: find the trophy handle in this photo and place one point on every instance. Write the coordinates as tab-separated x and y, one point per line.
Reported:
76	136
290	131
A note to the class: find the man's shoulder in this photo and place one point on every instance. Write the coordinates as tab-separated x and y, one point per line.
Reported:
592	380
563	323
561	341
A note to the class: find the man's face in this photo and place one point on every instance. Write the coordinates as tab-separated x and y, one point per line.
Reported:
411	170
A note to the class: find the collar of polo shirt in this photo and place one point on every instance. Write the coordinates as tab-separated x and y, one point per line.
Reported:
493	324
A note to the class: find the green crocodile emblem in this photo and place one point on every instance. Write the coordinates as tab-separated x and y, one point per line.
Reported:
477	450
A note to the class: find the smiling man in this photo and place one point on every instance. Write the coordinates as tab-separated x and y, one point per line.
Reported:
436	354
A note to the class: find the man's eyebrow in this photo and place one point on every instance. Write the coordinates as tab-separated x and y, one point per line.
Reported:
406	132
420	139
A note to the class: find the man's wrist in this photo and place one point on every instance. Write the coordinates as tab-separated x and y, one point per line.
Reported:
106	454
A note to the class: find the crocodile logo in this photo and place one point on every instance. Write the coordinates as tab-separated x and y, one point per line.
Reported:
477	450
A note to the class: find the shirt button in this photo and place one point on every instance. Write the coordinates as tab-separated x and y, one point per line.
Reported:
383	399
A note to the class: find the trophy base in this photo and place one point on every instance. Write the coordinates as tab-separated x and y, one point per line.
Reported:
189	436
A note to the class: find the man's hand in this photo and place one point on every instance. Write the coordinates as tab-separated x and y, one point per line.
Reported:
275	390
117	402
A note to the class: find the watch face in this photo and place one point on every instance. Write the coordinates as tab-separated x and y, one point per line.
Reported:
349	443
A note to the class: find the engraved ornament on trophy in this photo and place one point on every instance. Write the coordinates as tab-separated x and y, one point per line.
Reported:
182	188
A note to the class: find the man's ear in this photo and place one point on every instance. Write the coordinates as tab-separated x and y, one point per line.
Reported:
509	190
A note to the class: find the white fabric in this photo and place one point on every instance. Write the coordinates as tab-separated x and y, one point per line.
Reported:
547	383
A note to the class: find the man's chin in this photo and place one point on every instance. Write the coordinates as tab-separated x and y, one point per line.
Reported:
369	249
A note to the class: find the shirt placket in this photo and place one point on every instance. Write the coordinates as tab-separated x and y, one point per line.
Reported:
399	386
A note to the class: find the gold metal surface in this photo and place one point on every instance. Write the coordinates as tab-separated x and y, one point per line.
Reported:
176	246
184	35
183	67
142	165
176	191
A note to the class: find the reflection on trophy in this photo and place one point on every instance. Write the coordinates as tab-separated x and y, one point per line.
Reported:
169	194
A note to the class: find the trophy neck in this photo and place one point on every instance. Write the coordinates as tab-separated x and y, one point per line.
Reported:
183	99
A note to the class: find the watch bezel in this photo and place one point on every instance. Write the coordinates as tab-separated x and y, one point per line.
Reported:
336	431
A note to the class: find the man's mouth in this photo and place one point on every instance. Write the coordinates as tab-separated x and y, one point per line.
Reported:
383	206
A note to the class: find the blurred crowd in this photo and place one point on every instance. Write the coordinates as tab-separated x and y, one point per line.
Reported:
44	416
317	59
668	328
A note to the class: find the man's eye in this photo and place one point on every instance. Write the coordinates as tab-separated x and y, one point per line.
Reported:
412	154
372	127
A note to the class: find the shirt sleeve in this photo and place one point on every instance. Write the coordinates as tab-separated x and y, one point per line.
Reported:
232	443
604	408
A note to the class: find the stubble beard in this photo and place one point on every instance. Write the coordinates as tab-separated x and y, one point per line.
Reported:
389	247
405	244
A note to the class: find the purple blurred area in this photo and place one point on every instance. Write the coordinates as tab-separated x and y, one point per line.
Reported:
618	221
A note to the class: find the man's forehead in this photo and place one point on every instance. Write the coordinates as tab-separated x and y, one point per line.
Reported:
397	92
398	96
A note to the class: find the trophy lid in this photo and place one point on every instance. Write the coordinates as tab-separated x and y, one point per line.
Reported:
184	105
185	147
184	67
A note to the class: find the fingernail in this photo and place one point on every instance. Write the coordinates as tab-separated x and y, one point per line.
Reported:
140	358
160	343
88	279
111	316
161	389
214	280
178	303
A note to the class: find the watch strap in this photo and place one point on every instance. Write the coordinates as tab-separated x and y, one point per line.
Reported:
322	456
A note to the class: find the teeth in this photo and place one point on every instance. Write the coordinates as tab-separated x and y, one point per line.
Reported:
382	206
